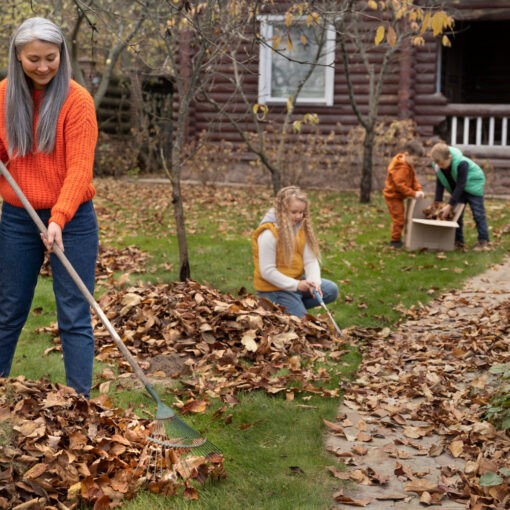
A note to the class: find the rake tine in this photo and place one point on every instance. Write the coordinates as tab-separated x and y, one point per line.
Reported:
154	461
167	459
182	437
149	457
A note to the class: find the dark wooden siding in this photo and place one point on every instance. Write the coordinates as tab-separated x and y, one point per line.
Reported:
411	88
339	117
428	109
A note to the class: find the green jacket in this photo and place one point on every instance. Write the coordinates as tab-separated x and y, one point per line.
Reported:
475	177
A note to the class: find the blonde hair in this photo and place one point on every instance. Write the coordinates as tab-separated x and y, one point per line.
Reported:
440	152
286	234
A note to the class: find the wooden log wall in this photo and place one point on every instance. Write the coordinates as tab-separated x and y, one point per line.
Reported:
338	118
429	103
114	115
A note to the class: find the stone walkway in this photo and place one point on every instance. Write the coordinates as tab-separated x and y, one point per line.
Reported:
388	449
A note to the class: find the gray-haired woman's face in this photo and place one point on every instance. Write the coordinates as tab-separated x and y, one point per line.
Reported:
40	61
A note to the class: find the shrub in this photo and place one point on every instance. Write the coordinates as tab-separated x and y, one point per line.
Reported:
498	412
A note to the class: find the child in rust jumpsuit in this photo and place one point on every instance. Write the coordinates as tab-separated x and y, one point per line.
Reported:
401	183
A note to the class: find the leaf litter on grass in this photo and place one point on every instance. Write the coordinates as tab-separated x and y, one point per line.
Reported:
427	383
214	345
118	202
110	260
244	350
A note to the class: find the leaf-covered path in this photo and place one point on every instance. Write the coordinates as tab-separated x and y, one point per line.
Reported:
410	429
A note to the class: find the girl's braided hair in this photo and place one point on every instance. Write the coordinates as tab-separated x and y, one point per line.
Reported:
286	234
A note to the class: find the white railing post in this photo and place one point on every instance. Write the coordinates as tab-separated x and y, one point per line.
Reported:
479	125
492	123
454	130
478	138
466	131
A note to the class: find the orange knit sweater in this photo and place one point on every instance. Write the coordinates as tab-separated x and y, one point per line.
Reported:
62	180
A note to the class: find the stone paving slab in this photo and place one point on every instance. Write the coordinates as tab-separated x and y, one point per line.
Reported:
387	449
384	456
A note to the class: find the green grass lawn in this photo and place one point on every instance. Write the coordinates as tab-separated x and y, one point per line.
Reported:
274	449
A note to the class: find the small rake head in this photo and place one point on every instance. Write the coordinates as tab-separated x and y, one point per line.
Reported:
169	459
333	322
172	432
174	449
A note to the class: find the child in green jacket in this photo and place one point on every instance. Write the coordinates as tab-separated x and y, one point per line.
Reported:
465	181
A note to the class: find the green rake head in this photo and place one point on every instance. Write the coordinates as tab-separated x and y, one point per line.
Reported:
170	431
166	460
179	436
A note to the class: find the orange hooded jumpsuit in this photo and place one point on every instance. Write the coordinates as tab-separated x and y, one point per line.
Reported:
401	183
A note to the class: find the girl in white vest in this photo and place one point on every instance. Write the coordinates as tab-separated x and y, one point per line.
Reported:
286	256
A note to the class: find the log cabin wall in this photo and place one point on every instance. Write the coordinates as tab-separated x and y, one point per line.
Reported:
338	119
412	90
339	116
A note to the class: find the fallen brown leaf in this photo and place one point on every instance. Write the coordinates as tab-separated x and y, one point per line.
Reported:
63	450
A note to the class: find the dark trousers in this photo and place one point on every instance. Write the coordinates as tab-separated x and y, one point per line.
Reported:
477	207
21	257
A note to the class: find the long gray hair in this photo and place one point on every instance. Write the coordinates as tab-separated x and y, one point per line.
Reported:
19	102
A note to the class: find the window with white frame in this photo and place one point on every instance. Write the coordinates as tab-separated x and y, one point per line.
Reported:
286	55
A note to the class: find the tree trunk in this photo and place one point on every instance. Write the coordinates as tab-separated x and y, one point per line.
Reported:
181	133
184	270
405	80
366	169
276	180
172	154
175	178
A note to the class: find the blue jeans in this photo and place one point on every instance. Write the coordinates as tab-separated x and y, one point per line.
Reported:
21	257
296	303
478	210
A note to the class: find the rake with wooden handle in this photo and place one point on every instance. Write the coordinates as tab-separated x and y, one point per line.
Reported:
178	433
318	297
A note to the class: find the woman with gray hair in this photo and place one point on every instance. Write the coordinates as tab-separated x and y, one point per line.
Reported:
48	134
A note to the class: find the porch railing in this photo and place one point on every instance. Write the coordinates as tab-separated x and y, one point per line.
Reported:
479	125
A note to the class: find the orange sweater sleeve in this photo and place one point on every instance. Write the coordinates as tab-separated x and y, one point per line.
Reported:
80	133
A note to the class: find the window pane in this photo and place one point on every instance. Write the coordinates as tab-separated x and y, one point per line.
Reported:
286	74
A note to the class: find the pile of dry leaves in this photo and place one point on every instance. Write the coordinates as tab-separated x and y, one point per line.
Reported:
212	344
60	450
432	211
216	344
